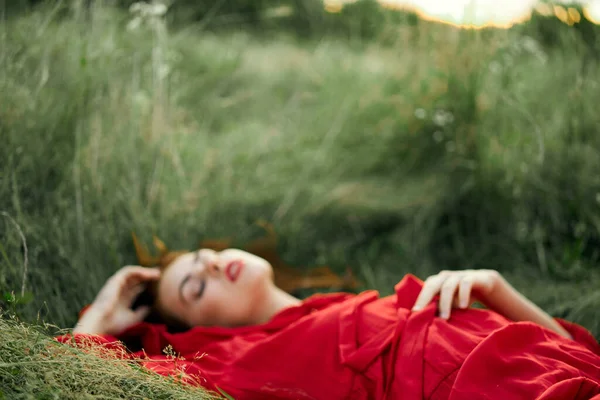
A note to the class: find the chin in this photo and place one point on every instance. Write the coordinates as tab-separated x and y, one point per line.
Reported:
263	273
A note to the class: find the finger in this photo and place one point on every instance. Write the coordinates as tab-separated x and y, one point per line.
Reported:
131	294
136	270
135	274
431	288
447	293
141	313
464	291
125	278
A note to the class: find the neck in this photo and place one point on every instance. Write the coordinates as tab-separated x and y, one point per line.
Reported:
276	302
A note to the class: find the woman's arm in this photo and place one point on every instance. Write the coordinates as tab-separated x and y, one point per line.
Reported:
506	300
461	288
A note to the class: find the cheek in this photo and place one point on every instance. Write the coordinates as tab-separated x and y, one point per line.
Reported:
221	305
168	303
229	305
207	310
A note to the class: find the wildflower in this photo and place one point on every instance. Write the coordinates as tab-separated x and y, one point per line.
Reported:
442	118
148	10
158	10
420	113
134	24
144	12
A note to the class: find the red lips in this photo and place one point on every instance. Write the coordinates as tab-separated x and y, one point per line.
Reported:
233	270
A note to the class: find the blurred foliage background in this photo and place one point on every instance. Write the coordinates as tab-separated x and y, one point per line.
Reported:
369	137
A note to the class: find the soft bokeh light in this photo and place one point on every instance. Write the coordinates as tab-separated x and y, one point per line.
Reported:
471	12
483	13
592	11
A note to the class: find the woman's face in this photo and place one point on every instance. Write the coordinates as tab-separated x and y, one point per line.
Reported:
207	288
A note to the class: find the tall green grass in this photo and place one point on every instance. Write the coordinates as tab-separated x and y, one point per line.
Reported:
422	148
435	148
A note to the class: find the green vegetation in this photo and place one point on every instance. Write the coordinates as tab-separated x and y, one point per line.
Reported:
33	366
412	147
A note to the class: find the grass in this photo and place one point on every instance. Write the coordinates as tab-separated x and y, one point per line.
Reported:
426	149
32	365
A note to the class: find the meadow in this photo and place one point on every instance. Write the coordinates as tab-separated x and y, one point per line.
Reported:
390	145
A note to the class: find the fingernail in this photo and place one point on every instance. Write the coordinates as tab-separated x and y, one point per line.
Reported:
444	315
416	308
463	304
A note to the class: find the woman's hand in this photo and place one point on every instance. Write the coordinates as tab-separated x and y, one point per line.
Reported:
457	289
461	288
111	312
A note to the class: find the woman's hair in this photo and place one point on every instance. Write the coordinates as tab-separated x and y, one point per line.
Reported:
149	297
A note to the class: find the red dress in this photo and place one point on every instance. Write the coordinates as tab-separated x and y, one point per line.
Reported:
344	346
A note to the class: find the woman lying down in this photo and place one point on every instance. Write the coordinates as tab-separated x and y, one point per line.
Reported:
254	341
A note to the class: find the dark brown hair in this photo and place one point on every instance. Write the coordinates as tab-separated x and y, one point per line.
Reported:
149	297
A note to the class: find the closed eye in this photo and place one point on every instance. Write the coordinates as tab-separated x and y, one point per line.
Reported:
200	291
186	281
190	289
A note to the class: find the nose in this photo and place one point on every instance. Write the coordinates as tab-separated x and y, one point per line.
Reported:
210	259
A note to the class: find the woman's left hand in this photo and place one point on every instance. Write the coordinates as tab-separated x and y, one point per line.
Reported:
457	289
